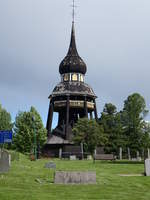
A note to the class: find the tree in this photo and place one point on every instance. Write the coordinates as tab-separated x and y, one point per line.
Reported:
5	119
25	128
133	115
109	109
111	122
90	133
145	141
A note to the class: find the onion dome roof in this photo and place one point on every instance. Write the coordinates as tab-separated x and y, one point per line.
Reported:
72	62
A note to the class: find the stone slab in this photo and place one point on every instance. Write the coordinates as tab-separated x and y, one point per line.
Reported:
62	177
147	167
14	156
50	165
73	157
104	157
130	175
89	157
139	159
5	160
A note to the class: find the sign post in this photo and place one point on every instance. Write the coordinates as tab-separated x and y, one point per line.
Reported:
5	158
5	137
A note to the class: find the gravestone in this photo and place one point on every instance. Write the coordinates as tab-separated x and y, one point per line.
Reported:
50	165
73	157
62	177
60	153
139	159
14	156
89	157
133	159
147	167
5	160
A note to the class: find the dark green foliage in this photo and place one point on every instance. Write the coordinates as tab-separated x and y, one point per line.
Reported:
25	128
90	133
5	119
145	140
109	109
111	122
126	128
133	115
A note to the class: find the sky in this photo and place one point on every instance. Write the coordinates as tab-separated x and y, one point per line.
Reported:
113	38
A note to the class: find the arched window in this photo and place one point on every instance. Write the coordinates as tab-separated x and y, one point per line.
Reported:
66	77
74	77
81	78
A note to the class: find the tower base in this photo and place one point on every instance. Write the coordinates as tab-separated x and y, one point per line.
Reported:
60	148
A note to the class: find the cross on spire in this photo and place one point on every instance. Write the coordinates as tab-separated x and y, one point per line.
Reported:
73	11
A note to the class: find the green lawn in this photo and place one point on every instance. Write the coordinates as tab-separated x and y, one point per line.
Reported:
20	184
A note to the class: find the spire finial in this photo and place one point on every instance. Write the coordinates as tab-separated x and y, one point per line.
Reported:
73	10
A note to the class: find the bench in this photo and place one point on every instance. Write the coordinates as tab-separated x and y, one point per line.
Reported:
104	157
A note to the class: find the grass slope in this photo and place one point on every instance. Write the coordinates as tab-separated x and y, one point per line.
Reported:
20	184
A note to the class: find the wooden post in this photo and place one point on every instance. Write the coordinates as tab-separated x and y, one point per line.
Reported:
47	125
91	115
143	153
129	155
67	116
120	153
137	154
82	151
60	153
148	153
95	110
63	127
50	117
85	107
95	152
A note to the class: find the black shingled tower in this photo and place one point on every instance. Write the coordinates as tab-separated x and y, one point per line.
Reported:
72	99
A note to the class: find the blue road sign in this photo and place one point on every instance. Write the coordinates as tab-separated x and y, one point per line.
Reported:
5	137
1	138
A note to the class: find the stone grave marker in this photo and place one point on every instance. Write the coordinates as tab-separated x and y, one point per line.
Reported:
139	159
133	159
5	160
14	156
89	157
147	167
62	177
50	165
73	157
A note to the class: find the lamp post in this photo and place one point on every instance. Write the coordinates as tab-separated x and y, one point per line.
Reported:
35	145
